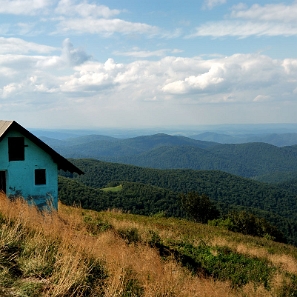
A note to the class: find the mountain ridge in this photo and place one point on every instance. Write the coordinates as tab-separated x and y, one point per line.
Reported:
253	160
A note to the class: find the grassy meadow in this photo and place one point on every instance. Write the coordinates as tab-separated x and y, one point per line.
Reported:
77	252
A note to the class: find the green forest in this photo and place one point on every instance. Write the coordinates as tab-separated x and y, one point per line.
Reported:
153	191
257	160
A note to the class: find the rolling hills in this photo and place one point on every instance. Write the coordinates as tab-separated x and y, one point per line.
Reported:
253	160
150	191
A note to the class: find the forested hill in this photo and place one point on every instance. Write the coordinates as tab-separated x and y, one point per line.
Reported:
163	151
246	160
218	185
275	204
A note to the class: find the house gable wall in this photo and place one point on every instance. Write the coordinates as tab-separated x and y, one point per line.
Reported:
20	175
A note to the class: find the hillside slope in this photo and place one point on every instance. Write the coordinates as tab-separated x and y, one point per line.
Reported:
78	252
219	186
277	205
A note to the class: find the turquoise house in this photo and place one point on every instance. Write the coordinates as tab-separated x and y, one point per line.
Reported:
29	167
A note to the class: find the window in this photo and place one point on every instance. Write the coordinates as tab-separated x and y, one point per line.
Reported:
16	148
40	176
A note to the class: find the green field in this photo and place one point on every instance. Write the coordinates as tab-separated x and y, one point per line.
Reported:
113	189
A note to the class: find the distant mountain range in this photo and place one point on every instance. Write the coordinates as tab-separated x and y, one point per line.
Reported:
253	160
280	140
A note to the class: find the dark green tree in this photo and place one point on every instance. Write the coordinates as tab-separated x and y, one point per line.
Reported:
247	223
199	207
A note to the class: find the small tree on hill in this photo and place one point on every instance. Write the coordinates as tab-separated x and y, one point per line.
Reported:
247	223
199	207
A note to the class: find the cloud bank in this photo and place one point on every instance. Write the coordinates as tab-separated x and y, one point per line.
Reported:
196	79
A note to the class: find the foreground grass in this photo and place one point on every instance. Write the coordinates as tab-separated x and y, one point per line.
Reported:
78	252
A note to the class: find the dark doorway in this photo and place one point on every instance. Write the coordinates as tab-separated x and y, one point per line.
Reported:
3	181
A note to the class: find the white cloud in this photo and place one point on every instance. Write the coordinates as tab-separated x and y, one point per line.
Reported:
74	76
11	89
84	9
212	3
106	26
23	7
73	16
70	56
20	46
145	54
73	55
21	29
290	66
262	98
268	12
88	18
266	20
201	82
238	74
245	29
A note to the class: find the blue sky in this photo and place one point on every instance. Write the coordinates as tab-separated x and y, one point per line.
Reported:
129	64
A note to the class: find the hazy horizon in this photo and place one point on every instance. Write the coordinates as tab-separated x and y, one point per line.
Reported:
122	132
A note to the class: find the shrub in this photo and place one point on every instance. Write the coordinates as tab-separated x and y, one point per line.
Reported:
130	235
224	264
199	207
96	225
249	224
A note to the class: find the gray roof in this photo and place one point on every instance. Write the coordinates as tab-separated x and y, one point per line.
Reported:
4	125
62	163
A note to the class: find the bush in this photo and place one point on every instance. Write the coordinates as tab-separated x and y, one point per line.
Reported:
249	224
130	235
224	264
199	207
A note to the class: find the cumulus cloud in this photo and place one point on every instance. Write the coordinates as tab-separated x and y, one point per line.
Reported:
243	76
234	74
70	56
238	78
146	54
73	56
201	82
23	7
11	89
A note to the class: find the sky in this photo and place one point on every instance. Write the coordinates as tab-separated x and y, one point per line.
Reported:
137	64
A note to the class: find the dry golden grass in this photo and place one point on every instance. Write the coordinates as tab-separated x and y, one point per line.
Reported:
242	244
285	262
61	243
